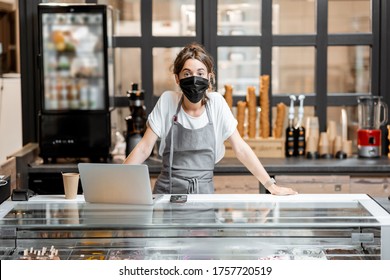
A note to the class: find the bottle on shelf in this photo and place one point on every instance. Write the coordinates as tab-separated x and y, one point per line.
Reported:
290	144
73	99
300	133
52	101
63	97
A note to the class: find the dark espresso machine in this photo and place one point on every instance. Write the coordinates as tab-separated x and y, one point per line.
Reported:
136	121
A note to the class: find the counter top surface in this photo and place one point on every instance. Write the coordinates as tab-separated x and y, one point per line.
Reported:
274	166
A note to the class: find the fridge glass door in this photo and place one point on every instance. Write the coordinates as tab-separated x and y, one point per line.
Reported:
73	61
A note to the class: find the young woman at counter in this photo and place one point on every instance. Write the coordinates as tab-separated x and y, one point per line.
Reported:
193	125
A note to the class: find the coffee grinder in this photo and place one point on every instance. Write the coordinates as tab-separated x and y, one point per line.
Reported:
372	113
136	121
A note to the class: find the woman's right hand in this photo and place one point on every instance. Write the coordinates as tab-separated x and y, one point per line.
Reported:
276	190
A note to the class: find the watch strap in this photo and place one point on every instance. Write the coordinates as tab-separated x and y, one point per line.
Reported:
269	183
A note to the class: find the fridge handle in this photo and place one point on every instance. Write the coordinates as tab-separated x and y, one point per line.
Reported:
39	60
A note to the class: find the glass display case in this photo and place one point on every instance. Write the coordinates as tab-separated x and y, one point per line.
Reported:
247	227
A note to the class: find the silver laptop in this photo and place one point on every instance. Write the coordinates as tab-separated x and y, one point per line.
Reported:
116	183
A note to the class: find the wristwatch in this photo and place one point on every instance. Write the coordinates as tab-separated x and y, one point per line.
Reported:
269	183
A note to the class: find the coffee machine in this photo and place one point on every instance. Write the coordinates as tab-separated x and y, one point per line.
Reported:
136	121
372	114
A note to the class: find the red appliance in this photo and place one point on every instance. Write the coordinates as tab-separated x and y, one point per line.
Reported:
372	113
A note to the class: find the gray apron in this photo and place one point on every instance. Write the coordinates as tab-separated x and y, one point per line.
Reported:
188	159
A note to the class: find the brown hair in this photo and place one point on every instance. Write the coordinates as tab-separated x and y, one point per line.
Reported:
198	52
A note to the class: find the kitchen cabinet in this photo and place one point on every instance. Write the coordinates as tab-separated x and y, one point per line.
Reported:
376	186
236	184
221	226
316	183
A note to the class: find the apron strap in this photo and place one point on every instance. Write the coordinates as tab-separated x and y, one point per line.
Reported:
194	186
208	113
174	119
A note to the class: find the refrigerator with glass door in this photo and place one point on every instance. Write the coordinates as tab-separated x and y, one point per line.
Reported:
76	81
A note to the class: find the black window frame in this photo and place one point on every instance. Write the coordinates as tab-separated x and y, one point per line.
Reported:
206	33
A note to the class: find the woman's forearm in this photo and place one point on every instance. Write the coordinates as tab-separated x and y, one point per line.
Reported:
246	155
138	155
143	149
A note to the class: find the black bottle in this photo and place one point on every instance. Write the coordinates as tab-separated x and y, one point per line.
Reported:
291	139
300	133
300	141
290	144
136	121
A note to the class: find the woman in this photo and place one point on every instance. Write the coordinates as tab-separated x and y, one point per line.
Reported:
193	125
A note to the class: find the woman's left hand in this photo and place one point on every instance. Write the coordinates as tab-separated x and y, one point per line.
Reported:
276	190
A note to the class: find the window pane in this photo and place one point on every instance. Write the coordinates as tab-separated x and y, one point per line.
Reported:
349	69
174	18
239	67
293	17
128	68
163	78
127	14
237	17
352	16
293	70
127	71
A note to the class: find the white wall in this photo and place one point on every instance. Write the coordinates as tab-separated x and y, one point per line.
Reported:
10	115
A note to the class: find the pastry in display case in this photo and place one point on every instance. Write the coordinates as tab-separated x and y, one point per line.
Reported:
6	253
206	227
39	254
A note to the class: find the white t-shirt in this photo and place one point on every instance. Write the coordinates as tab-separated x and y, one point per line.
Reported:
160	119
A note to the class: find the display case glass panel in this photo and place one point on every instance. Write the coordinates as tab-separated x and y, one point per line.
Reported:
293	70
349	69
349	16
238	67
241	210
237	18
293	17
321	227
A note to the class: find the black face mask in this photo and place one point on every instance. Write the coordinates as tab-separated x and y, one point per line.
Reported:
194	88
